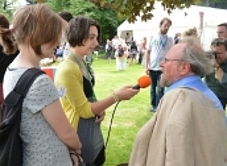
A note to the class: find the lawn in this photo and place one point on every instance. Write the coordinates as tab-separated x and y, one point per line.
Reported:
130	115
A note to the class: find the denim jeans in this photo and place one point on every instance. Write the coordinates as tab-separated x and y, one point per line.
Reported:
156	91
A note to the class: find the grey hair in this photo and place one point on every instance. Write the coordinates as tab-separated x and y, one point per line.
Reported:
194	54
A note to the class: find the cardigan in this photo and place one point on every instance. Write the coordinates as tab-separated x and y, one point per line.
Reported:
69	82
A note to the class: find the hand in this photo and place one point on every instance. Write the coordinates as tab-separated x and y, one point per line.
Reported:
126	92
147	71
201	14
76	159
100	117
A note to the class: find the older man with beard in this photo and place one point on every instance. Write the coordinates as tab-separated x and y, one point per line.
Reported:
199	65
189	127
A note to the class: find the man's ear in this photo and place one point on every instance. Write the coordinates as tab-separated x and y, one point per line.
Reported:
185	68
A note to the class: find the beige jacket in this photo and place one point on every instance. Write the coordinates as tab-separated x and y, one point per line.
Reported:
187	130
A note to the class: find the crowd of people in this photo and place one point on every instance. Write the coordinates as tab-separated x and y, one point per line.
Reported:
60	120
126	51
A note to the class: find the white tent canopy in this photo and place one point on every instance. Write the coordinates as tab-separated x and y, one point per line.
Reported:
181	21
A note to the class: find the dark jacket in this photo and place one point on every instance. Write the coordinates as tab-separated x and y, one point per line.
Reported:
219	88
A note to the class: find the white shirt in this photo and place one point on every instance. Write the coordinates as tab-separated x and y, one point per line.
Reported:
158	45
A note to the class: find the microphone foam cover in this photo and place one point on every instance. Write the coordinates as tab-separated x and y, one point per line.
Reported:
144	81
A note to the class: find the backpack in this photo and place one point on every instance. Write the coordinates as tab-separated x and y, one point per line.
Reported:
10	117
120	51
109	47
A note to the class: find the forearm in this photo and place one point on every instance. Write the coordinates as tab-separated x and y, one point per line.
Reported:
100	106
72	141
147	58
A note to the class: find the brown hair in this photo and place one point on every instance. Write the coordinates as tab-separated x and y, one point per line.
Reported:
67	16
223	25
37	25
219	41
6	37
165	19
78	30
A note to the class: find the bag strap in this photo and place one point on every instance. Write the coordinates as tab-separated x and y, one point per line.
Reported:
26	80
22	86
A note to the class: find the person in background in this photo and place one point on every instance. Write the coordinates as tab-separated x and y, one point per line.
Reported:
128	39
217	80
177	38
75	82
37	31
157	47
222	30
190	32
193	32
7	51
178	134
122	60
143	49
121	55
109	50
67	16
133	53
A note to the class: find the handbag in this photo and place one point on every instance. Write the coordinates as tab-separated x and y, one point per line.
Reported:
10	141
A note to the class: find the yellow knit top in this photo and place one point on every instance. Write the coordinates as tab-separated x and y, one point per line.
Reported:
69	82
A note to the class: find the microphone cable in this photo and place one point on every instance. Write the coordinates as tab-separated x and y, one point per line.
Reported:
111	122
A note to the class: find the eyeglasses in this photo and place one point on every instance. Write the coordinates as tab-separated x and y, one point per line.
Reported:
167	60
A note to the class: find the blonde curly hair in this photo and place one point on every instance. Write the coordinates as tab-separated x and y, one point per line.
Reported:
190	32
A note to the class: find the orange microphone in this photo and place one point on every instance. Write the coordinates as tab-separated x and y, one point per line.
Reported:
143	82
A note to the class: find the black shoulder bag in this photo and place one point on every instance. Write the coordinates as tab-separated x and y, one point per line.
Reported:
10	117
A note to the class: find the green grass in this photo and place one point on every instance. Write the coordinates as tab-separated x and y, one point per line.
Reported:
130	115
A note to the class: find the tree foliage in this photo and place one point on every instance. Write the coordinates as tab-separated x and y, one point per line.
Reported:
59	5
35	1
107	18
133	8
7	7
110	13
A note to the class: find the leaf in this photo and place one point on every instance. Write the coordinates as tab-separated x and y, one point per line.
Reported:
134	8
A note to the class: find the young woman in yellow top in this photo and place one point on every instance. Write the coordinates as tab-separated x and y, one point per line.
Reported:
75	84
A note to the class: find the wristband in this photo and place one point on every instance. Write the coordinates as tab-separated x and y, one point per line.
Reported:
116	99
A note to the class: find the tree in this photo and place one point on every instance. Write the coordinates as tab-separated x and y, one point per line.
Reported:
107	18
133	8
59	5
35	1
214	3
7	8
